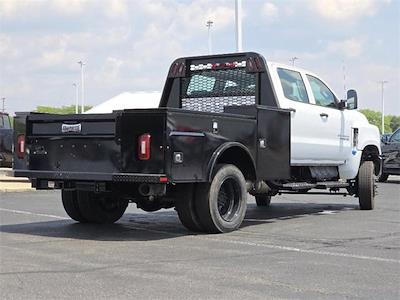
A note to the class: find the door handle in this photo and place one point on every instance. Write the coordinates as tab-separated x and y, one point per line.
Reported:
323	115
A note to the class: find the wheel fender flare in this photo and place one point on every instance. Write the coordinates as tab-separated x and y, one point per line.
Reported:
221	150
378	163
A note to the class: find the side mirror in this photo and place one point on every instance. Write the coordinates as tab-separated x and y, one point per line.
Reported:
342	104
352	99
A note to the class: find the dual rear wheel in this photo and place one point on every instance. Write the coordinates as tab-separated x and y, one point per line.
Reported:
215	207
90	207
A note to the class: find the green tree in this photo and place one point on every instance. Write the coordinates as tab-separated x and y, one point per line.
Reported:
394	122
374	117
64	110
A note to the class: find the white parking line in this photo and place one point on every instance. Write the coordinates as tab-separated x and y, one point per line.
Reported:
271	246
308	251
34	214
235	242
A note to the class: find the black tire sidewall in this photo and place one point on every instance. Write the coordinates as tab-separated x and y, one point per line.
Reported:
185	207
71	206
227	172
93	210
366	185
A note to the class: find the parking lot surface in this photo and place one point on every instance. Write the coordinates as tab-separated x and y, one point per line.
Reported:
302	247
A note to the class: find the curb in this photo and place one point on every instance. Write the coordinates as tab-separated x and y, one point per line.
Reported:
14	180
16	190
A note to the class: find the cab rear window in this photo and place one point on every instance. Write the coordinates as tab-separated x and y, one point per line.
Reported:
293	85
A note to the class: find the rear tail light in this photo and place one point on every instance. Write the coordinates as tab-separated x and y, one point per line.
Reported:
21	146
144	146
178	69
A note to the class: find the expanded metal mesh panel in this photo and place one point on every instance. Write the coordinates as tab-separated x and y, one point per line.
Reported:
212	90
216	104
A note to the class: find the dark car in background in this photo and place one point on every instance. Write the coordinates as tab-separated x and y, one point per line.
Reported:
6	140
385	137
391	156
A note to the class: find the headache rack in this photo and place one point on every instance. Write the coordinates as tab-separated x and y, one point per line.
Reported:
211	89
211	83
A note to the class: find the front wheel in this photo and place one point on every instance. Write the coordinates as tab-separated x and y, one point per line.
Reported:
221	205
366	185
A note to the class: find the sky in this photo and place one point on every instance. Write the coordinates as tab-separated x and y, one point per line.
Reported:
128	45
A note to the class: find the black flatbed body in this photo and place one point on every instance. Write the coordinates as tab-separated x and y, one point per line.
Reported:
238	120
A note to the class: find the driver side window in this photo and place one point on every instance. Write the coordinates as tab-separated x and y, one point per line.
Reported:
322	95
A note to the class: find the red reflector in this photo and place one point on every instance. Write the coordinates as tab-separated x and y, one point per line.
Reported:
21	146
163	179
144	146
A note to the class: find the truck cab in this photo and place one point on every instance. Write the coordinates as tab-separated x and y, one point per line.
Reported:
325	131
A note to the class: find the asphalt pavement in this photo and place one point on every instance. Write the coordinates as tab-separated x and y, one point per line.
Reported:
302	247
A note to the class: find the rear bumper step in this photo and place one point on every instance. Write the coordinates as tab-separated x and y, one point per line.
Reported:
92	176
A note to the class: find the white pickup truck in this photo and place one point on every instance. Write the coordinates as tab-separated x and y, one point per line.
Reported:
225	125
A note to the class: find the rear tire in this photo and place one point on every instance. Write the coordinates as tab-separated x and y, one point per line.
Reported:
185	207
71	206
103	208
366	185
221	205
383	177
263	200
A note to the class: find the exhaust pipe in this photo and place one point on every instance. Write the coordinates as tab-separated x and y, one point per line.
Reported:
155	189
259	187
144	189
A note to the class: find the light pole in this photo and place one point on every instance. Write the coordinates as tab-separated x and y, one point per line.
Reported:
4	101
238	21
76	98
382	83
209	24
82	87
293	59
344	79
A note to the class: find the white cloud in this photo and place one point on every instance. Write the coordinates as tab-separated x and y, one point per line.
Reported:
337	10
13	8
190	18
116	8
69	7
349	48
7	51
18	8
270	10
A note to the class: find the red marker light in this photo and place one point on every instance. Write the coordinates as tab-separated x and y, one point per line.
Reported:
21	146
163	179
144	146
